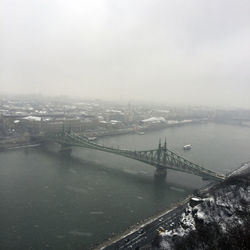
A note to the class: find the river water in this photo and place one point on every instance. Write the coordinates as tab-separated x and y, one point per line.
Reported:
48	201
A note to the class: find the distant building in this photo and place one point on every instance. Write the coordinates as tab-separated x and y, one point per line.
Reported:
154	120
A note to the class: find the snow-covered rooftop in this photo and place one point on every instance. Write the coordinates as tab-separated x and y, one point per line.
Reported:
32	118
154	120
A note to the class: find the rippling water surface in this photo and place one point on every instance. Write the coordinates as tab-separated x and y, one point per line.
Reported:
52	202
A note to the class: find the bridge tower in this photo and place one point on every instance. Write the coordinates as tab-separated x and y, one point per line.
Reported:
161	172
65	149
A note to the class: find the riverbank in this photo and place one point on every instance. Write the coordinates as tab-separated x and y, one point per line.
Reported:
9	143
154	127
129	239
24	146
143	233
142	128
165	229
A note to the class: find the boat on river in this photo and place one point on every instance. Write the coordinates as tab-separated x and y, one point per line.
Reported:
92	138
140	133
187	147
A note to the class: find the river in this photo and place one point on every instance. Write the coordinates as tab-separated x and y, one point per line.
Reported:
48	201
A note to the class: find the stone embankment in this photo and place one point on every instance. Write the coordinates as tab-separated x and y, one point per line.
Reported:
17	142
217	203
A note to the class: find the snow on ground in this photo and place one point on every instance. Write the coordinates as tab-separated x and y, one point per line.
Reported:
221	206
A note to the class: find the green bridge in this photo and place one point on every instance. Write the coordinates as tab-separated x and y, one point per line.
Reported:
161	158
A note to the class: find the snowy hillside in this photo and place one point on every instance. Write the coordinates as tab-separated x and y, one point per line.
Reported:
218	219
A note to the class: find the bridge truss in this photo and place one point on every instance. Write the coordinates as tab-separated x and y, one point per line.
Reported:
161	158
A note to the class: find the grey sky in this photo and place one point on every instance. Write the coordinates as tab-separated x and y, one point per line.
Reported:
173	51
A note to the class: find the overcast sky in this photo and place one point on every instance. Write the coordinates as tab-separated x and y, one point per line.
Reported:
173	51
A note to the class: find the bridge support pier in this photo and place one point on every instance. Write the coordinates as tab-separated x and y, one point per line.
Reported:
65	150
160	173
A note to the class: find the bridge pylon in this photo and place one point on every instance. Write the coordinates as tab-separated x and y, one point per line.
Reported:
160	173
65	150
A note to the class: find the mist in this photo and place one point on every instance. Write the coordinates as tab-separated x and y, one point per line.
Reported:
180	52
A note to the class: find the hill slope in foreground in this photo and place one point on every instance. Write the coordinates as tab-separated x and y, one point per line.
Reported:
216	219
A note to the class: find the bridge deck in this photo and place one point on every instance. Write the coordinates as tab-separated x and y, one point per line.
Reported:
161	157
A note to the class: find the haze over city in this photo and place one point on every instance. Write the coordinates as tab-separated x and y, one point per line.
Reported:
124	124
180	52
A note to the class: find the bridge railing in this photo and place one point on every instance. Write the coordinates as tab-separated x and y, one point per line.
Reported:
157	157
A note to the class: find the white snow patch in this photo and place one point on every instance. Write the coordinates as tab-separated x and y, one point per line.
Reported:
154	120
201	215
32	118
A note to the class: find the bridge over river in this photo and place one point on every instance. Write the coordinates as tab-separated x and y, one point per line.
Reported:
161	158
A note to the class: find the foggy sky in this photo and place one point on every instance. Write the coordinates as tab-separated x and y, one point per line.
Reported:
172	51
